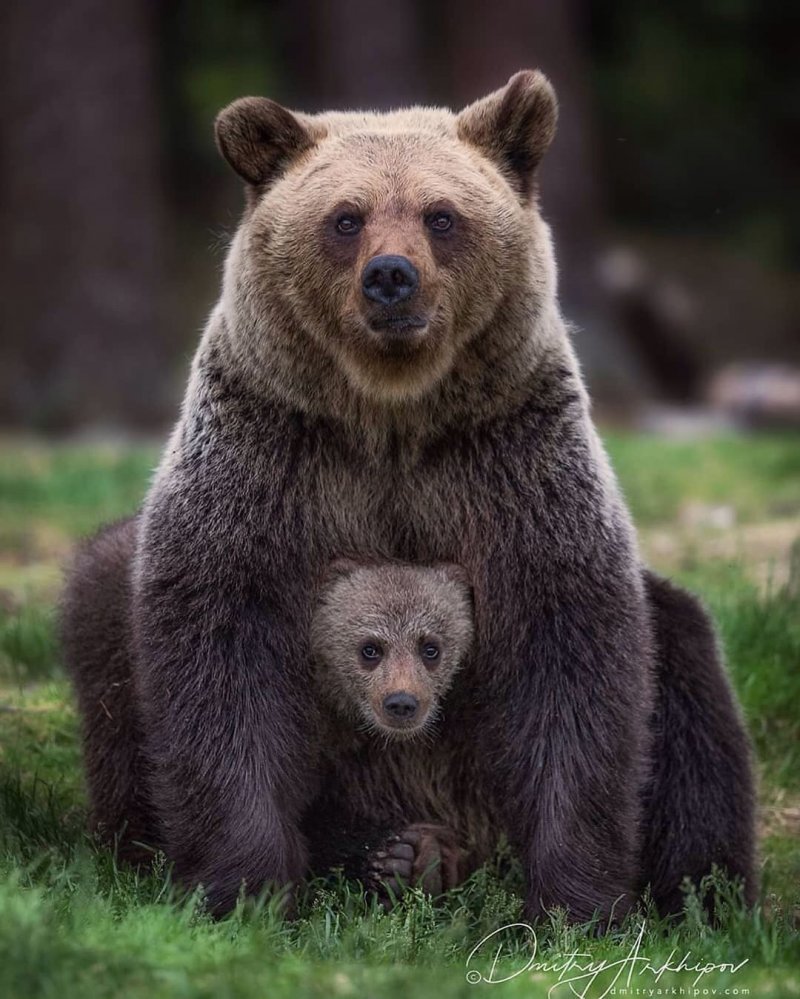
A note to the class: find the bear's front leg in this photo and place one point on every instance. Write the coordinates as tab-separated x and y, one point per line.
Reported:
225	752
221	677
573	746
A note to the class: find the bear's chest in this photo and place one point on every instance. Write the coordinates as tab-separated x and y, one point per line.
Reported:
424	510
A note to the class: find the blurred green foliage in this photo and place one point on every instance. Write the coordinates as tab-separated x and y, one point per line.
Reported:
697	104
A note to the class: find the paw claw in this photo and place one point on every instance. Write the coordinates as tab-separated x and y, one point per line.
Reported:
423	854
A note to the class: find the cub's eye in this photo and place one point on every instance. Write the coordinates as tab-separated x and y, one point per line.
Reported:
440	221
430	651
348	225
371	653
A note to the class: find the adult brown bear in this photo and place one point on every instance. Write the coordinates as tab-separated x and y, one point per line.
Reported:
387	375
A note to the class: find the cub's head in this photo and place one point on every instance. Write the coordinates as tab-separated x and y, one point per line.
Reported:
389	241
387	639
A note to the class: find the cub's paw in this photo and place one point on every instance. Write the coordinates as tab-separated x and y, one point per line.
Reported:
423	855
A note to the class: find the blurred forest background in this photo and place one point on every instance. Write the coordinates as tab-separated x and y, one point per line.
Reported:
672	184
673	191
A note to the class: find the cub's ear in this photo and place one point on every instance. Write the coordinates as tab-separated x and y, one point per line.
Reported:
514	126
338	569
455	574
259	138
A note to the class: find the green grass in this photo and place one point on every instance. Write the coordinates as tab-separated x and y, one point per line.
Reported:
761	636
73	923
49	492
758	476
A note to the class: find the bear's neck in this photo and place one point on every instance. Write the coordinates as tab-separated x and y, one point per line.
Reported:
502	369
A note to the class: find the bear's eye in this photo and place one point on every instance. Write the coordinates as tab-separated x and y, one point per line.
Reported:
371	653
348	225
430	651
440	221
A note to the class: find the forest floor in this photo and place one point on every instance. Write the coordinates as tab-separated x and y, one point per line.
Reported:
721	515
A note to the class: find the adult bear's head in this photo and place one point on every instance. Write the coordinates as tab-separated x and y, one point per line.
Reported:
390	242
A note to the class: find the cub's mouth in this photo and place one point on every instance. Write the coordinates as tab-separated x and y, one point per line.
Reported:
396	732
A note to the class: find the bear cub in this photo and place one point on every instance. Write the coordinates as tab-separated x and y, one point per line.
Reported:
386	641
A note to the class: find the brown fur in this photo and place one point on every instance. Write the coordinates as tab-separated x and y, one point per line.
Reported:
306	434
97	606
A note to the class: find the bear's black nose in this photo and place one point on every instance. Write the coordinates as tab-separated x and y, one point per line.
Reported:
389	279
401	706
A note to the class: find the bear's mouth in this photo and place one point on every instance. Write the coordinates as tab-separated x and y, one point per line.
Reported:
398	326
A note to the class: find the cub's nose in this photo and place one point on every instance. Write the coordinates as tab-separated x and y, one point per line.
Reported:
389	279
401	706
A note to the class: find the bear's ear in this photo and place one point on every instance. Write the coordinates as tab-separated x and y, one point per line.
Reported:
259	138
514	126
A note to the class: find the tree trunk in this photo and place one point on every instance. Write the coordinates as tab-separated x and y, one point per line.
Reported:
355	55
81	203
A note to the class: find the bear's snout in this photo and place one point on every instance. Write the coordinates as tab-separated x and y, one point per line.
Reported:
400	706
389	279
